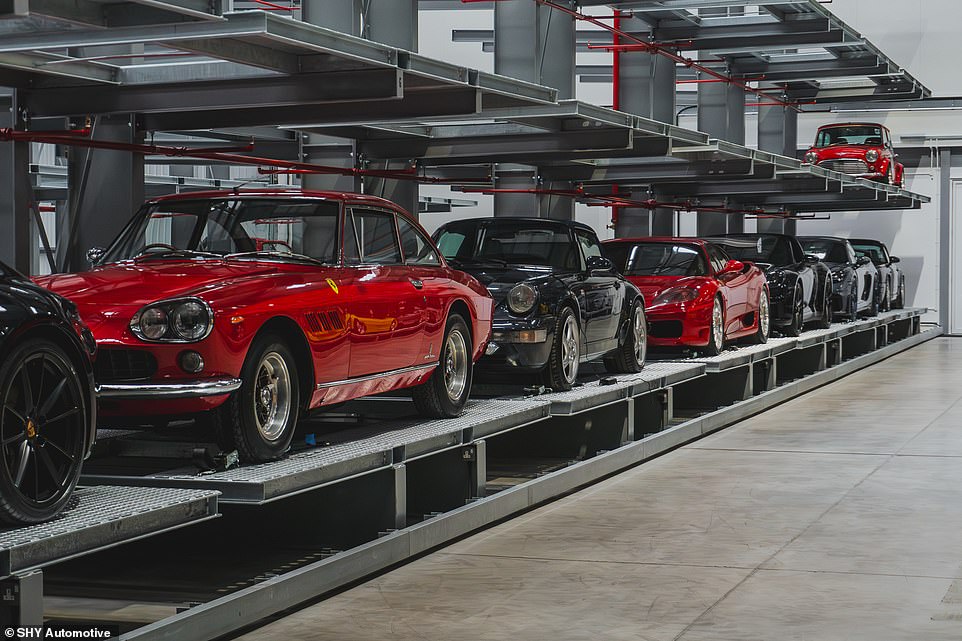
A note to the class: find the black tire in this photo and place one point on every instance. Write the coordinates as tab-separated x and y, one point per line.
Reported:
446	392
825	320
561	372
853	302
798	314
764	322
874	307
900	298
630	356
43	431
261	429
886	301
716	335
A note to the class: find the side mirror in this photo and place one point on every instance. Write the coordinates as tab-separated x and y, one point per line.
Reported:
811	258
733	267
600	264
94	254
895	259
861	261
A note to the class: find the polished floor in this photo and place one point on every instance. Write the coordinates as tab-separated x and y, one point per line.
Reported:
837	516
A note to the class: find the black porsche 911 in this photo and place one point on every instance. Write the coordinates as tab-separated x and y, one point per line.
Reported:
48	419
796	280
558	301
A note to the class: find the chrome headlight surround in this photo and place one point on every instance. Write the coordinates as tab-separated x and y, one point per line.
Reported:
522	298
811	158
178	320
871	155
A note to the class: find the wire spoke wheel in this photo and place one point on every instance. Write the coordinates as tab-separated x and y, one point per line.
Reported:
42	428
455	362
272	396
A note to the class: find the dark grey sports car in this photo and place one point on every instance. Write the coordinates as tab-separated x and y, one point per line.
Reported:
799	284
49	407
558	301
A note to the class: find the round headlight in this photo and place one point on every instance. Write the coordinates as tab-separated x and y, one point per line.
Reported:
522	298
153	323
871	155
190	320
811	158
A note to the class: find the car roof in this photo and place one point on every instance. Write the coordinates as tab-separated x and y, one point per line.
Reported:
853	124
866	241
524	219
832	238
340	196
679	240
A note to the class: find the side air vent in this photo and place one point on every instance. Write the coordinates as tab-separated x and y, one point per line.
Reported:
329	321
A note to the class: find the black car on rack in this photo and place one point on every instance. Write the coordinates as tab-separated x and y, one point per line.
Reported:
891	286
48	418
799	284
558	301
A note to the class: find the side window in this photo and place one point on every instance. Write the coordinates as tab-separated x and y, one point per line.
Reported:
375	237
589	244
417	248
718	258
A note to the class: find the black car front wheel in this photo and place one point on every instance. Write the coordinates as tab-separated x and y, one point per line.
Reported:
825	319
853	303
258	420
900	297
794	328
561	372
445	394
630	356
43	431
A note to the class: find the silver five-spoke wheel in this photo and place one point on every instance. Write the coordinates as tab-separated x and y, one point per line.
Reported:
570	349
639	328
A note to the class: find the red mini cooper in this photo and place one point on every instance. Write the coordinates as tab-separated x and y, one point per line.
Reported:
860	149
258	305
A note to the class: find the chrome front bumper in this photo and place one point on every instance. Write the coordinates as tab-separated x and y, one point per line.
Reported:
188	389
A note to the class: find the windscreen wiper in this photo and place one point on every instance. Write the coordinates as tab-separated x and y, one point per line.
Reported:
277	256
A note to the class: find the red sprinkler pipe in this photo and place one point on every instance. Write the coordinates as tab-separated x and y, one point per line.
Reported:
637	44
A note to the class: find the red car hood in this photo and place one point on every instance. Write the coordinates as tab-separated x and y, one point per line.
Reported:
844	151
136	284
652	286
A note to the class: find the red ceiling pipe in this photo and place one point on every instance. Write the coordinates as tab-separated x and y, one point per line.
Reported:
653	48
270	6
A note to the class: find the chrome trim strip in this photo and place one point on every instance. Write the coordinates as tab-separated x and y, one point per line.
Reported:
371	377
190	389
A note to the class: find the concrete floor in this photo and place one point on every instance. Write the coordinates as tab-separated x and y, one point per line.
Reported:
837	516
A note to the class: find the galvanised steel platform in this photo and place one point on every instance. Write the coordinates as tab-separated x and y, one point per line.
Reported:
382	486
96	519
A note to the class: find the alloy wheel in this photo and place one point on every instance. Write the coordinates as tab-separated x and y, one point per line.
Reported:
718	324
455	365
42	428
570	349
639	328
272	396
764	316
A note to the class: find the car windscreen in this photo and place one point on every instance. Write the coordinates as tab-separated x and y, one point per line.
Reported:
657	259
222	227
830	251
758	249
849	135
873	251
510	242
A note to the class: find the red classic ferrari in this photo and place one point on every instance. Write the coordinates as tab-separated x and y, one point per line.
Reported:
696	295
260	305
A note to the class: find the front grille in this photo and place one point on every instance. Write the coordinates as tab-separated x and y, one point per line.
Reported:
664	329
854	167
124	365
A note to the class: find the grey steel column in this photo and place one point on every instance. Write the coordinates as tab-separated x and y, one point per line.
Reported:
343	16
395	23
946	280
106	188
721	114
15	193
646	88
778	134
548	59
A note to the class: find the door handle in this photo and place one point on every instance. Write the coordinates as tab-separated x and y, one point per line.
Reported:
417	282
